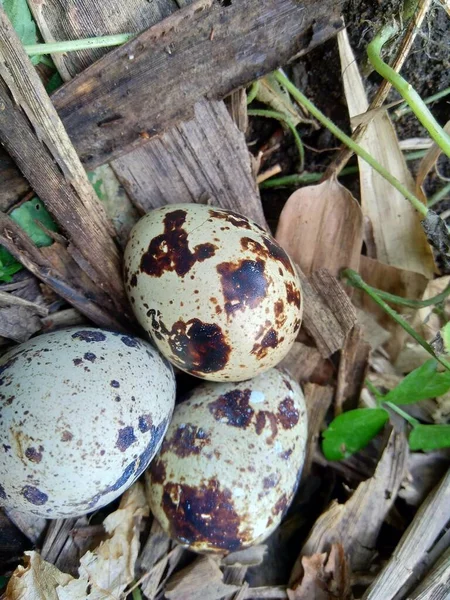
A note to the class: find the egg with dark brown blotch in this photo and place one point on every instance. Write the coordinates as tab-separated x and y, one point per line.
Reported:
82	413
216	293
230	463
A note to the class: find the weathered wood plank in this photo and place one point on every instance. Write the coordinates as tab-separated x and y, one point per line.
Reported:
34	136
203	50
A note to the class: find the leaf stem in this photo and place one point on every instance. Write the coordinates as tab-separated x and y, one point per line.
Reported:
411	420
288	180
357	281
104	41
405	89
404	109
439	195
253	92
406	301
357	149
273	114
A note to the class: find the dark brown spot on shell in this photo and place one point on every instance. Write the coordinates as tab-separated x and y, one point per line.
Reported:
170	251
89	336
243	284
2	492
271	481
133	280
199	347
280	316
125	438
287	415
158	471
262	417
233	408
77	361
287	454
203	515
34	455
90	356
270	250
231	217
186	440
66	436
145	423
288	385
292	294
34	495
280	506
270	340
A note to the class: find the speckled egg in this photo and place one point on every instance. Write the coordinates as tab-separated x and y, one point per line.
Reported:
217	294
230	463
82	413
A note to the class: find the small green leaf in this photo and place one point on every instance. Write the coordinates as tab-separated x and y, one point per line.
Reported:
20	16
54	83
351	431
429	437
422	383
445	334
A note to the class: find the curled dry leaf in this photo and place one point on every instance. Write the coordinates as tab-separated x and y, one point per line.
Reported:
321	226
324	577
428	162
399	238
104	572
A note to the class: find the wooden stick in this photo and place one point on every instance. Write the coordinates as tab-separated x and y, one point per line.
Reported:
428	523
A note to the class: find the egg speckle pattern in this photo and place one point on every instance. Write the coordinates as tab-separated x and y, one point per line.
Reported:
217	294
82	413
230	463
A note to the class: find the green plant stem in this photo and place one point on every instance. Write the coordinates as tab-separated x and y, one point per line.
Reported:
404	109
405	301
288	180
439	195
405	89
83	44
411	420
357	149
415	154
253	92
357	281
378	395
272	114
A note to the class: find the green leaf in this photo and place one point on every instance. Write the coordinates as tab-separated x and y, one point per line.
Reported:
351	431
429	437
422	383
27	216
20	16
54	83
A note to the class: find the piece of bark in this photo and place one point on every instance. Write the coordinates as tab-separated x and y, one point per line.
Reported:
250	557
62	318
306	364
352	372
153	559
19	323
328	313
32	133
203	160
237	106
201	580
13	541
356	523
325	577
60	548
31	526
269	592
406	284
13	185
127	96
321	226
424	472
426	527
436	585
60	272
318	400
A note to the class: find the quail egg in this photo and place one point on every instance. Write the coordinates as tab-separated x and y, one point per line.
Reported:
82	413
217	294
230	463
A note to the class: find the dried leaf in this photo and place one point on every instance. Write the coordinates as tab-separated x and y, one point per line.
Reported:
428	161
271	93
250	557
324	578
352	370
201	580
399	238
321	226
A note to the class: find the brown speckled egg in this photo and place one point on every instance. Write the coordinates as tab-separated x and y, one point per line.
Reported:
217	294
82	413
230	463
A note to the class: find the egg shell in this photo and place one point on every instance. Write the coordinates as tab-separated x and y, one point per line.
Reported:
230	463
82	413
216	293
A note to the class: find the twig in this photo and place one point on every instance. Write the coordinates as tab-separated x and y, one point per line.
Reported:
357	149
268	174
420	536
9	300
104	41
440	195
